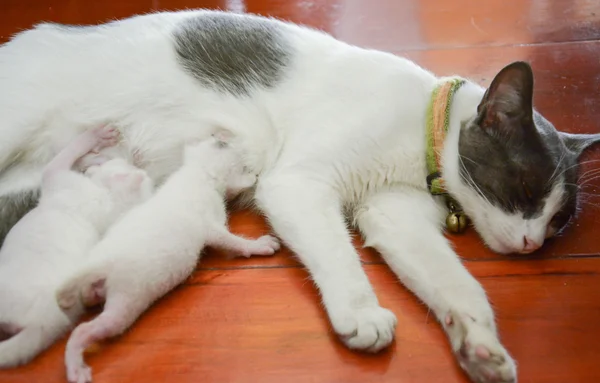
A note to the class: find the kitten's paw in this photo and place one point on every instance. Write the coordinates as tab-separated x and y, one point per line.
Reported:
265	245
479	351
369	328
93	293
106	136
66	300
78	373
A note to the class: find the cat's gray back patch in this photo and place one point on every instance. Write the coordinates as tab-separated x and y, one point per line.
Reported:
233	53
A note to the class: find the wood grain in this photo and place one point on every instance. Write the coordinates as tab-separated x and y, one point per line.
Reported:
260	320
266	325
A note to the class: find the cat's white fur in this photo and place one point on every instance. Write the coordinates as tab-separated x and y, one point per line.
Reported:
46	245
342	132
155	247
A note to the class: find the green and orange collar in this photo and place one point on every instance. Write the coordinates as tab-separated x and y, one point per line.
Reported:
438	121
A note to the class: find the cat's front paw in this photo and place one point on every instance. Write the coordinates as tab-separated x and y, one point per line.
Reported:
479	351
106	136
369	328
265	245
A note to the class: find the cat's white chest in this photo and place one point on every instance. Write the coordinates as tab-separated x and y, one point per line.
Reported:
384	170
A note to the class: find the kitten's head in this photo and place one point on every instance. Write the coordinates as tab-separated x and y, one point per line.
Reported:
518	174
217	156
127	184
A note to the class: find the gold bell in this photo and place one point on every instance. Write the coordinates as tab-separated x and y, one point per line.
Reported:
456	222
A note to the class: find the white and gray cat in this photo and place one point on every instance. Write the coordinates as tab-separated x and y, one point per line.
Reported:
336	134
48	244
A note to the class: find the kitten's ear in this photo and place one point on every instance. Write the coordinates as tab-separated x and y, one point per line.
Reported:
508	99
577	143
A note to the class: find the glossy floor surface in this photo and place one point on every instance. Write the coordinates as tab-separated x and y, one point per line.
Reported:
261	321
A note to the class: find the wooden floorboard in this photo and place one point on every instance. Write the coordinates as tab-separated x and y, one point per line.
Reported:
266	325
260	320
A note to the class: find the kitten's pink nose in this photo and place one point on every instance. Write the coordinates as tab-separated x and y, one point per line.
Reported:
529	245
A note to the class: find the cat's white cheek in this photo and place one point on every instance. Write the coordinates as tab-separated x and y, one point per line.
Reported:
506	232
501	231
497	229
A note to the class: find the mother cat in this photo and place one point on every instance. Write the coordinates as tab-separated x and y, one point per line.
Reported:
334	131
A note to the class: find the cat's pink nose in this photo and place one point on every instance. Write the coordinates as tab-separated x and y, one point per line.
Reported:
529	245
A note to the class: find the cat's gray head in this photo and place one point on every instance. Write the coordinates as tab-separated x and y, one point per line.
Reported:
518	174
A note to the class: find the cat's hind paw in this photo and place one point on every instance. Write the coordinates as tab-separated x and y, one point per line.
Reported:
369	328
78	372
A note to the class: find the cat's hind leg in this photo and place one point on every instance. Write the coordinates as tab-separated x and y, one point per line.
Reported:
120	311
308	217
418	253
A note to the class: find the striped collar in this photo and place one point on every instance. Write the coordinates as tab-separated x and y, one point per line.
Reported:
438	120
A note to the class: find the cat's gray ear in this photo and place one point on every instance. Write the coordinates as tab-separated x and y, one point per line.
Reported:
508	102
577	143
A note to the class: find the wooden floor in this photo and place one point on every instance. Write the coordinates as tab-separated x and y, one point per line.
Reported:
261	320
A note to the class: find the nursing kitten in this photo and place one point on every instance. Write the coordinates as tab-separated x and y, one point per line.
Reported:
330	129
156	246
52	239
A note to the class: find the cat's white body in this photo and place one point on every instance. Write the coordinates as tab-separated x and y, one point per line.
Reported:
157	116
52	240
155	247
342	131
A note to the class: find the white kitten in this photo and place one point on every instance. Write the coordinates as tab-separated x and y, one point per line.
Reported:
47	244
156	246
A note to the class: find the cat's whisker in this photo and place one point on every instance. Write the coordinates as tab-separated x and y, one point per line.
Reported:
562	157
576	165
589	204
505	231
470	180
467	158
591	171
587	181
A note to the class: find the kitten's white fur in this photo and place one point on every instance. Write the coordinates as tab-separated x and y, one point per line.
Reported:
46	245
155	247
342	132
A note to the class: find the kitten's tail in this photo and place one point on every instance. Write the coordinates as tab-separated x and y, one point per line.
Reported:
25	343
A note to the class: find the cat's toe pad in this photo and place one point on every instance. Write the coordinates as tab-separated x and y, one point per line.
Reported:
93	293
370	328
107	136
480	353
